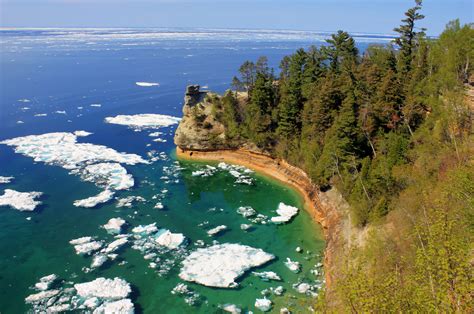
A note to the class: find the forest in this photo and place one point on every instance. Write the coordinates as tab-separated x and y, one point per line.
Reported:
391	129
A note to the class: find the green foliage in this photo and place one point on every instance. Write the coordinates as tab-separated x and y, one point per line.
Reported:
392	130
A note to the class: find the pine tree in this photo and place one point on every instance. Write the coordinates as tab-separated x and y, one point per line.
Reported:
409	37
291	103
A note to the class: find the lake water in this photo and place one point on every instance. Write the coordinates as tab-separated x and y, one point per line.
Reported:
58	74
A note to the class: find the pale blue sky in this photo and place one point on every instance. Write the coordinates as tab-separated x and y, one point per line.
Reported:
377	16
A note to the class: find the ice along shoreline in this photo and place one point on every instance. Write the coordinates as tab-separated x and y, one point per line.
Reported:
322	206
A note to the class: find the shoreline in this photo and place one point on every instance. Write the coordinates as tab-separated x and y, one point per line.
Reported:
318	204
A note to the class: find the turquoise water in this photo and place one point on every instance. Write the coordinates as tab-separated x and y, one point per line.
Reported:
32	249
70	70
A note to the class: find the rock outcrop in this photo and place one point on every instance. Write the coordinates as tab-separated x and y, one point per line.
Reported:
199	129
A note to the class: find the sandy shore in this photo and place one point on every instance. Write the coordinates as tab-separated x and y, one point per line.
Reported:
320	206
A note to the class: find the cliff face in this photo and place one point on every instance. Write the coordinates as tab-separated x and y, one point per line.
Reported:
199	129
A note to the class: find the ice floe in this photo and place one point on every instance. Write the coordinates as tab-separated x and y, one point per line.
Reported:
190	297
144	121
285	213
231	308
94	163
86	245
267	275
292	265
93	201
4	180
171	240
129	200
98	296
22	201
221	264
263	305
112	289
216	230
246	211
147	84
114	225
240	173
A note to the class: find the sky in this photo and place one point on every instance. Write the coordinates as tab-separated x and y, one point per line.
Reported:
374	16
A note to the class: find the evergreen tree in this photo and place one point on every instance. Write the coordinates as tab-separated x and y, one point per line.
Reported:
409	37
291	103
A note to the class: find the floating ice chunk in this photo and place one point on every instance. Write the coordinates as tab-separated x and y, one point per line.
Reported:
278	290
88	160
41	115
155	134
144	121
231	308
284	310
221	264
114	225
267	275
85	245
147	84
81	240
109	175
303	287
60	112
235	173
22	201
171	240
129	200
245	227
263	305
216	230
298	249
293	266
20	122
112	289
115	245
93	201
285	213
4	180
246	211
24	100
82	133
45	282
159	205
98	260
96	105
145	230
123	306
37	297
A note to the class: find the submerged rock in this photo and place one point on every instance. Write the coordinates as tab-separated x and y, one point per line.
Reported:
221	264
